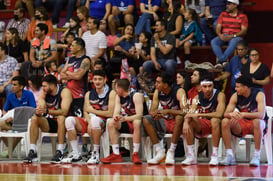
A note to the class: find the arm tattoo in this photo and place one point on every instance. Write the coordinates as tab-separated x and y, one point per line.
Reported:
84	65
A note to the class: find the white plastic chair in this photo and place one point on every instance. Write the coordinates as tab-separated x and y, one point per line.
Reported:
20	128
53	137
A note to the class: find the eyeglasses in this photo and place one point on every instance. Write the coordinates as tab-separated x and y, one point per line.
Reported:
254	55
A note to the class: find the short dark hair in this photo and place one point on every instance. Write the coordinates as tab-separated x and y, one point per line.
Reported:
166	78
51	79
202	72
163	23
48	64
99	62
80	41
207	77
123	83
21	9
99	73
245	80
96	21
43	27
21	80
243	43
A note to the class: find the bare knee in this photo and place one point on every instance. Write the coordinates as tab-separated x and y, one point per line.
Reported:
215	122
256	123
225	123
137	124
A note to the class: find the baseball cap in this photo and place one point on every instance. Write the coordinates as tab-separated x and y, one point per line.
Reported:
234	1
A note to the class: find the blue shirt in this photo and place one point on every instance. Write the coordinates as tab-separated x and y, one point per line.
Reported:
97	8
12	101
126	45
154	3
234	67
123	4
216	6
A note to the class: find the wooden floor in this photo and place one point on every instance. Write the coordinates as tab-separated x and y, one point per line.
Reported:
127	171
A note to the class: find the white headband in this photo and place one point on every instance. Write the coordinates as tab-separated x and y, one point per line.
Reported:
206	82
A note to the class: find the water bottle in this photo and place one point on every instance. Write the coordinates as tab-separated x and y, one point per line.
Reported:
204	42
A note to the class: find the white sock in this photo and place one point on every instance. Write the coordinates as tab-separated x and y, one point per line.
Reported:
60	147
173	146
257	152
229	152
136	147
190	149
158	147
96	148
115	149
215	151
74	145
33	147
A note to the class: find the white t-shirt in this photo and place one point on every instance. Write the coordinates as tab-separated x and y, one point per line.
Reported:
93	42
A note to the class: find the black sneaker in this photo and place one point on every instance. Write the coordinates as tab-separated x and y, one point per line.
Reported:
32	156
57	157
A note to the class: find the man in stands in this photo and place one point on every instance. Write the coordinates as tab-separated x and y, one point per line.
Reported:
95	40
98	106
231	27
19	22
43	49
168	120
122	13
248	119
162	51
134	106
8	69
204	118
53	107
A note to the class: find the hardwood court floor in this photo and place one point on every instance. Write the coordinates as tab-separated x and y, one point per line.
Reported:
127	171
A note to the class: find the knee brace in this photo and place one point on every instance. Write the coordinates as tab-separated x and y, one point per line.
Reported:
95	122
70	123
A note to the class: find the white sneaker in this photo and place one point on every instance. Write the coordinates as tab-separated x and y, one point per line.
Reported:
187	63
242	141
55	26
72	157
158	157
229	160
170	158
190	160
95	158
214	161
255	161
66	25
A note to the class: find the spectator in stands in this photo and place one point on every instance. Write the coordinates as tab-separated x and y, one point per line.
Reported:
66	50
249	119
8	69
19	22
2	29
98	106
19	97
53	107
191	34
100	9
43	49
95	40
98	65
34	85
183	80
15	46
258	71
173	18
168	120
197	5
133	105
74	27
123	13
235	65
210	104
213	9
51	68
149	10
29	4
41	16
231	27
55	5
70	9
75	73
82	13
162	51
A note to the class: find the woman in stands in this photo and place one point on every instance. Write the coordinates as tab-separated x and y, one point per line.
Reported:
41	16
191	34
15	46
34	85
82	13
258	71
74	27
183	80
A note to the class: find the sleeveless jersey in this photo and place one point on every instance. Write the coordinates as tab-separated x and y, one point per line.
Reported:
208	105
77	87
99	103
54	102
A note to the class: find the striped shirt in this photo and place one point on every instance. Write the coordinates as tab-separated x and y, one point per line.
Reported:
232	24
21	26
94	42
7	67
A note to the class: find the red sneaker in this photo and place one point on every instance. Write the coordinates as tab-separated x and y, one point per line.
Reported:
112	158
135	158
